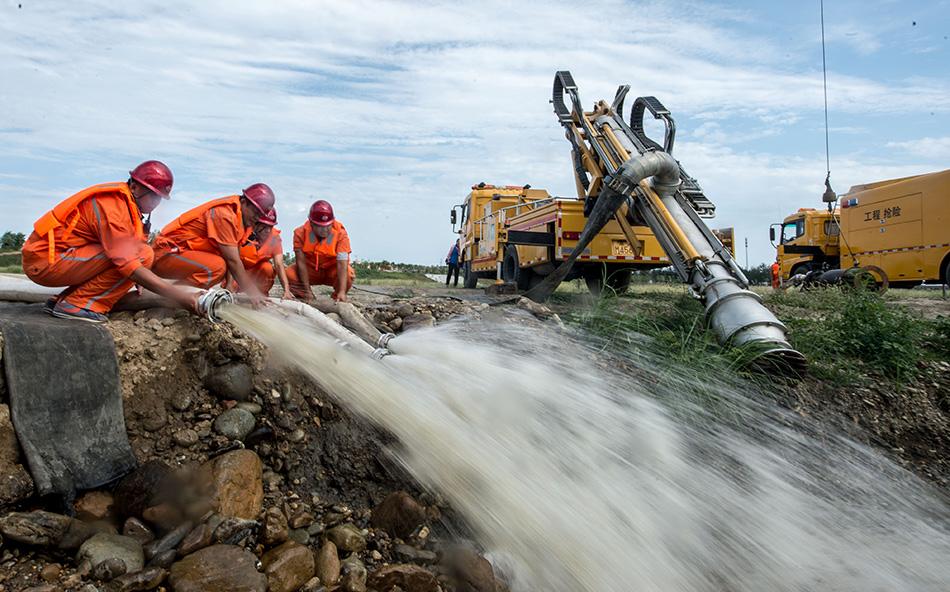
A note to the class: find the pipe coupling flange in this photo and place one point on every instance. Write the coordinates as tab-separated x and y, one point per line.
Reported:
379	353
210	300
384	339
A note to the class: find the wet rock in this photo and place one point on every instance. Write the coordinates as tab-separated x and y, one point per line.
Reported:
354	575
347	537
250	406
35	528
328	564
181	401
115	549
165	516
231	381
234	423
169	541
297	436
299	535
137	530
185	438
234	484
405	310
142	488
147	579
395	324
94	505
109	569
538	310
410	554
399	514
200	537
275	527
232	531
164	560
410	578
155	419
418	321
219	568
313	585
301	520
51	572
470	571
15	481
288	567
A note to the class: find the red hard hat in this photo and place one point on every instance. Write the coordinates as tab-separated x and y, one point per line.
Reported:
261	196
269	219
154	176
321	213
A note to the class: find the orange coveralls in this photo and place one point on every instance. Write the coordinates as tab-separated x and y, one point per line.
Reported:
91	242
187	248
257	260
322	256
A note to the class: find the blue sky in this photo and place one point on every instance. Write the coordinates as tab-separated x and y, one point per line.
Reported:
392	110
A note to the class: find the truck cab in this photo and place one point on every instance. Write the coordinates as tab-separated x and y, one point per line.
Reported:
806	241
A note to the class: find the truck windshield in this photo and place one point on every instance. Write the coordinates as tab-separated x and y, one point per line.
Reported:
793	230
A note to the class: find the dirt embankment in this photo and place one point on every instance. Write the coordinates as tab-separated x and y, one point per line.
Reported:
251	478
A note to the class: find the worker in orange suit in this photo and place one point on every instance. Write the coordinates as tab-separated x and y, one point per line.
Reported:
322	249
776	276
263	256
94	244
202	245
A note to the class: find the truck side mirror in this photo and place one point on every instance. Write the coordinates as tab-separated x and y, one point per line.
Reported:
453	215
771	232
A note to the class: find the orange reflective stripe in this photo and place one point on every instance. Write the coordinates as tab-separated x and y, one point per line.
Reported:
55	218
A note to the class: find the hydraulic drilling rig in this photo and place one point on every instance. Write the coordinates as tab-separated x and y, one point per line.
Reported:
622	174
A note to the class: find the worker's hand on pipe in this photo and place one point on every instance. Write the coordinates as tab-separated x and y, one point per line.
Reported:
307	294
287	295
340	297
257	299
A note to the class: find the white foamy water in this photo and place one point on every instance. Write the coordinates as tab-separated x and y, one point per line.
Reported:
587	479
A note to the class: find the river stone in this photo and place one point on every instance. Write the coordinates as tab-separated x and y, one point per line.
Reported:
94	505
235	423
147	579
410	578
104	546
185	438
199	538
328	564
354	575
405	310
136	529
169	541
232	531
347	537
219	568
399	514
108	570
470	571
164	560
231	381
418	321
15	481
35	528
288	567
234	484
275	527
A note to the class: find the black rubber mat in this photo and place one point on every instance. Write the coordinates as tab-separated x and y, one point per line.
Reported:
62	378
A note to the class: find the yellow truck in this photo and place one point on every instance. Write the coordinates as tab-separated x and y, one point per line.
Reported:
517	235
898	229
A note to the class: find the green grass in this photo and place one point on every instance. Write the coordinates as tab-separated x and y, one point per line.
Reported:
11	269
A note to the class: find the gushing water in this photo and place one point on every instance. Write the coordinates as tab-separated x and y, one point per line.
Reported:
586	478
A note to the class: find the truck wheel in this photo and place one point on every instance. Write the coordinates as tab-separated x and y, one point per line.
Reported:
619	280
512	272
598	276
469	279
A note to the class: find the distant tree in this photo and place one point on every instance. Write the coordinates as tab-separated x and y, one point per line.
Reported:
12	241
760	274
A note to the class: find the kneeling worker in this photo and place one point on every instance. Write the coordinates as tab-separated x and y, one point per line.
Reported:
322	249
263	256
93	243
202	244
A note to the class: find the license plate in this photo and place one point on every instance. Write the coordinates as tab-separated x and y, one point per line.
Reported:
621	249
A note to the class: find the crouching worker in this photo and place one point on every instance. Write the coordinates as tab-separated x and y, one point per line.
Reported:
202	245
94	244
263	257
322	250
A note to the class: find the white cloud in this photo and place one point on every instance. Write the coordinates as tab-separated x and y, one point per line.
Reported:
389	109
935	149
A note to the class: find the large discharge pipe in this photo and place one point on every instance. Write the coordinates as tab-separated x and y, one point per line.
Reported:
630	168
